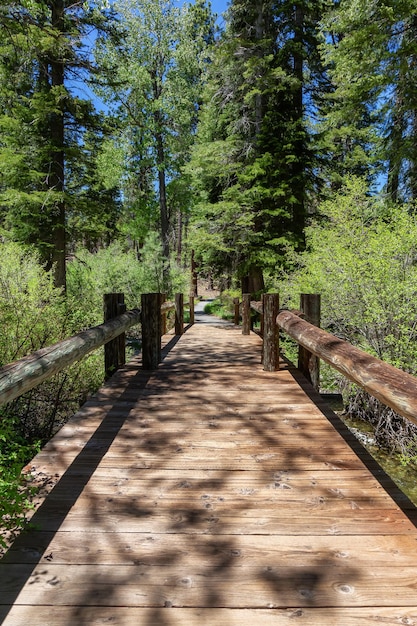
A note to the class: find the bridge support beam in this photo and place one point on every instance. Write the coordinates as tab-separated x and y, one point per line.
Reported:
246	325
179	313
236	305
192	313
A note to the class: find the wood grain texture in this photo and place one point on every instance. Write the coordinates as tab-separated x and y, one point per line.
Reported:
169	616
211	492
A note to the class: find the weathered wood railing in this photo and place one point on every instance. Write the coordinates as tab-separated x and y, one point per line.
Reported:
21	376
393	387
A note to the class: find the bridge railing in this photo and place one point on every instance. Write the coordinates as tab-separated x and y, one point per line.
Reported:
21	376
392	386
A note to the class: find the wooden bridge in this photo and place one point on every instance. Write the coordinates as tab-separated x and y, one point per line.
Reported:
209	491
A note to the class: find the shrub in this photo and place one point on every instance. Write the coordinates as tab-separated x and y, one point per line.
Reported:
361	257
120	269
33	314
223	306
14	497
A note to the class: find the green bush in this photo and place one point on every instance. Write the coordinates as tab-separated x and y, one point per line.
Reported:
110	270
33	314
120	269
14	494
362	258
223	306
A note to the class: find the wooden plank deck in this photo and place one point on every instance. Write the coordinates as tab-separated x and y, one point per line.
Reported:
211	492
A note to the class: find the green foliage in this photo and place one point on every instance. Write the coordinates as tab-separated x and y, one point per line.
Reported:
370	121
152	77
120	269
362	258
223	306
33	314
49	180
28	300
109	270
252	164
14	498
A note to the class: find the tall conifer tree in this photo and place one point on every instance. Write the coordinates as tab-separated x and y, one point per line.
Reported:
371	123
41	121
264	76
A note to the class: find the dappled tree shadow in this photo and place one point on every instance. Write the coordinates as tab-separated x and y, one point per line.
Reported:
198	486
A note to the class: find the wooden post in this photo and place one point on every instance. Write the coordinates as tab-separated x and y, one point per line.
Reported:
261	317
114	350
179	313
246	316
163	316
194	278
270	332
237	311
309	364
122	337
192	317
262	328
151	330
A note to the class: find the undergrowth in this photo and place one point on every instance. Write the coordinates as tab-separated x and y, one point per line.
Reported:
15	451
222	306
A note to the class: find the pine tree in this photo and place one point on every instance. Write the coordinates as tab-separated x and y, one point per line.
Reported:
371	122
41	121
255	120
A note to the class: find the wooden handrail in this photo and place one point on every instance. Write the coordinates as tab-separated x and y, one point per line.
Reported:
391	386
19	377
167	306
257	306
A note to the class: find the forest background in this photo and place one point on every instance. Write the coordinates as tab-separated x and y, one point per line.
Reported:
278	143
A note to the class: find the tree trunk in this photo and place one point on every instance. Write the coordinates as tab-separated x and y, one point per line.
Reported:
394	148
57	163
298	166
413	164
160	162
413	106
253	283
259	34
179	236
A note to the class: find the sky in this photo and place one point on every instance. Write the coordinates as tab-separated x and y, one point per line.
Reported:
219	6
